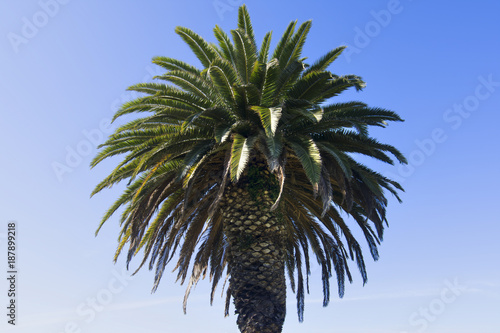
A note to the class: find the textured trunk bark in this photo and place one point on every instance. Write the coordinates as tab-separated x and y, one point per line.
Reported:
256	259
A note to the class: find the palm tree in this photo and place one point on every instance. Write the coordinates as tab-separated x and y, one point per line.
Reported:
243	169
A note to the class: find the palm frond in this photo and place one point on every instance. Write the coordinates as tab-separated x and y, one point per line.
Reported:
203	51
322	63
308	153
240	153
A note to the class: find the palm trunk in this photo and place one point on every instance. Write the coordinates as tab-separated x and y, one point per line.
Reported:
256	259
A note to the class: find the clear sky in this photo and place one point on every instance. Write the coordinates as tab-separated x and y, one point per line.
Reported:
64	68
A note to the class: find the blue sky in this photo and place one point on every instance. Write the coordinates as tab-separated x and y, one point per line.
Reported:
64	69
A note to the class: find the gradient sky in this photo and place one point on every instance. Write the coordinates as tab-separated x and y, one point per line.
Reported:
64	69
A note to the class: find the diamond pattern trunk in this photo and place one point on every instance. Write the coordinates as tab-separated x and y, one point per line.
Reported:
256	258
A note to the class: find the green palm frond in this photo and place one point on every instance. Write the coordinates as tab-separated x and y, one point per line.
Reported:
224	78
205	53
323	62
308	153
284	41
226	46
245	24
293	49
269	117
264	49
172	64
240	153
246	55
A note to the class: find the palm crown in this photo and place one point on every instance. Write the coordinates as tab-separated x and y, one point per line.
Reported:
255	117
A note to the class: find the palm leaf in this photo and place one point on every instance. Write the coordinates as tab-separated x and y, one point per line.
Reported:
245	24
240	153
226	46
172	64
269	118
292	50
264	49
203	51
308	153
246	55
323	62
224	77
278	51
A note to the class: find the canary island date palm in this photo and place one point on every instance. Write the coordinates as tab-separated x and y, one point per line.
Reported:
244	168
